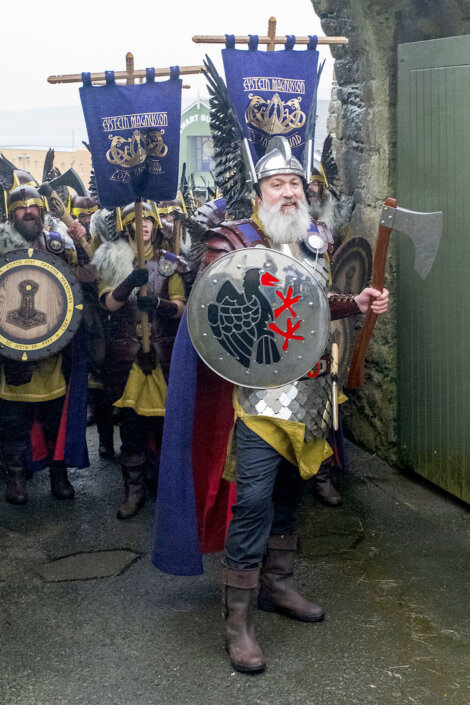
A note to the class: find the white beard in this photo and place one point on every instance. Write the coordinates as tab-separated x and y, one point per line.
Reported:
283	228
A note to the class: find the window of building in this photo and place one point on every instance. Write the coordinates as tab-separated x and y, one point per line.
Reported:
202	149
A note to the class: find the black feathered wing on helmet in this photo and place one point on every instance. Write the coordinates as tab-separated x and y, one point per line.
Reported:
7	170
329	166
104	225
92	187
231	173
6	182
50	172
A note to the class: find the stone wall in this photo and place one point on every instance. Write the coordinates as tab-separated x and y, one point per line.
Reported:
363	122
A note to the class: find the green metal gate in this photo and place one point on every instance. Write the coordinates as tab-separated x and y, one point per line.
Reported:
433	150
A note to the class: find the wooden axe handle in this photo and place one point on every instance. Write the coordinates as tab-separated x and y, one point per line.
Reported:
139	241
356	371
59	208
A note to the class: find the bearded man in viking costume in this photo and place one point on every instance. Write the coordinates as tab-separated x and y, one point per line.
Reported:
280	432
32	390
137	381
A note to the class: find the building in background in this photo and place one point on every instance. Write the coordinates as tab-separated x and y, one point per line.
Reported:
32	159
196	147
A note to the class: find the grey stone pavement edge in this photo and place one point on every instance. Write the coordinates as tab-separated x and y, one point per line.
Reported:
391	568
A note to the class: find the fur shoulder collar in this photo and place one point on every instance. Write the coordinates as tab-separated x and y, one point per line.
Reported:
11	239
114	261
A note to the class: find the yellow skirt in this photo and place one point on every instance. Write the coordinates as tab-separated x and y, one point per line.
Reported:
146	394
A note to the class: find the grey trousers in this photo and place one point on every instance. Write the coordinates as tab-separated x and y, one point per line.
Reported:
269	496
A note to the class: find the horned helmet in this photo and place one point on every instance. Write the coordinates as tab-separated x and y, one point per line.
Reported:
166	211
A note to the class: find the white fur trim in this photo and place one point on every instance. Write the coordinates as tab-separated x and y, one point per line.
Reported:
11	239
114	261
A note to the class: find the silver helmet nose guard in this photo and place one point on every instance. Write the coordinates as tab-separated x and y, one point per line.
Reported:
278	160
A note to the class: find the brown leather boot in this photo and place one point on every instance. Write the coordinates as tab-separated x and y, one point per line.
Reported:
240	641
61	487
277	592
324	489
134	491
14	456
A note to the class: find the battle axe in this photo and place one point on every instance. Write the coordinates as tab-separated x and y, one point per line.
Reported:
47	189
424	229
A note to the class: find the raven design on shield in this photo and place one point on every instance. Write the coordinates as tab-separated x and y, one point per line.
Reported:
240	320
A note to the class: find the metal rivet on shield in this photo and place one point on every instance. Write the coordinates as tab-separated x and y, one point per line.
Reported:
215	281
202	305
312	332
299	357
310	303
239	266
204	335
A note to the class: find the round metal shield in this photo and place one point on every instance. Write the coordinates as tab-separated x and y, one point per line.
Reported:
351	266
40	304
258	318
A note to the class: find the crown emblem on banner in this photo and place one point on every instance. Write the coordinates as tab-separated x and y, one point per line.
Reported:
274	116
133	151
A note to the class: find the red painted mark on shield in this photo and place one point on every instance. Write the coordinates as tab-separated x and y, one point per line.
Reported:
287	334
288	302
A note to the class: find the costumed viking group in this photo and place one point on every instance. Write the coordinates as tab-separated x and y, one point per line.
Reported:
225	400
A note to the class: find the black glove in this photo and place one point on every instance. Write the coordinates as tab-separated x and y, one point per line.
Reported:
147	361
136	278
147	304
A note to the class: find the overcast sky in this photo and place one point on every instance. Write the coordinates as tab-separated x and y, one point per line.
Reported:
49	37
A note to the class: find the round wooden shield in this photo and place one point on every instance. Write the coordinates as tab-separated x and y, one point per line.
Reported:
351	270
40	304
351	266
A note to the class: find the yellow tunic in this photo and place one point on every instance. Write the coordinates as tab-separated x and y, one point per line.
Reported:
47	382
146	394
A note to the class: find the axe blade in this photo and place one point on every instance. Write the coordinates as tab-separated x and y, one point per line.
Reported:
69	178
424	229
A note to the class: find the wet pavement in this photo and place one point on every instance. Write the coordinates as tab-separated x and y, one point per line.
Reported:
86	619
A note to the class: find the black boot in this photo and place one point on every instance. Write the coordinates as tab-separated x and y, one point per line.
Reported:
134	491
240	641
14	456
61	487
106	446
324	489
277	592
105	426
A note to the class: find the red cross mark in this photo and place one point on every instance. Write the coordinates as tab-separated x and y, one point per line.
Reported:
288	334
287	303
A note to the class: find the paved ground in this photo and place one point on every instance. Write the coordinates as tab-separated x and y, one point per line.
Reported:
391	568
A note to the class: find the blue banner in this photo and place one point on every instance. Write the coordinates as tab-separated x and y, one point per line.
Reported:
272	92
134	135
